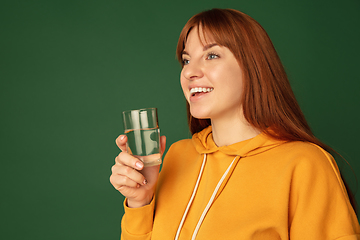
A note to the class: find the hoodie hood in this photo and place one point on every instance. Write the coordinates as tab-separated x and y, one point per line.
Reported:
204	144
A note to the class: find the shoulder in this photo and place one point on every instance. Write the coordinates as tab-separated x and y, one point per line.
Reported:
303	148
182	145
317	194
302	152
306	160
180	149
311	164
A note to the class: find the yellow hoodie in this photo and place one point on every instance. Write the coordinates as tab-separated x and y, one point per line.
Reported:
260	188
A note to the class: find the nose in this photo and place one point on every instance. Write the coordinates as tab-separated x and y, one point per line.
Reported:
192	71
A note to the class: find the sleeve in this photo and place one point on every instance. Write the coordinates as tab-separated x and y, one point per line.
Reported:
137	223
319	206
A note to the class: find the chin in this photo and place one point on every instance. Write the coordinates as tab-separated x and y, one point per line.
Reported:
199	114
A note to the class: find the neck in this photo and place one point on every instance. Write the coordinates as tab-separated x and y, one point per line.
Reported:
227	131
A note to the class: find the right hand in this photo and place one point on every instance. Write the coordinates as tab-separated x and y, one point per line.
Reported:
130	177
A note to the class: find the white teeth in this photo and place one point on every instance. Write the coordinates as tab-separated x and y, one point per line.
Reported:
199	90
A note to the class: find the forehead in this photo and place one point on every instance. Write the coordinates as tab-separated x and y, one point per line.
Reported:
204	36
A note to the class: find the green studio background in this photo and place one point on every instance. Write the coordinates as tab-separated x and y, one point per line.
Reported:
69	68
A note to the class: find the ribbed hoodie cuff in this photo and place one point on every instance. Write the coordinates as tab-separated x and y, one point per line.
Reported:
138	221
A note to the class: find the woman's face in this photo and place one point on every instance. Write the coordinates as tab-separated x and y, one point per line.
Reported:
211	78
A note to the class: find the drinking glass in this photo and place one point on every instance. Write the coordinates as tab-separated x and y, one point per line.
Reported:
142	130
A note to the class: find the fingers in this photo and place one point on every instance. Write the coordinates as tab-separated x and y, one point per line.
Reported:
128	160
129	172
124	176
121	142
124	172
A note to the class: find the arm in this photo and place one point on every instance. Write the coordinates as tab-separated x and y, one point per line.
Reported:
137	223
319	205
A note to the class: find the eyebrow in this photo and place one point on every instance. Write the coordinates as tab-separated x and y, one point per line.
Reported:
206	47
184	52
210	46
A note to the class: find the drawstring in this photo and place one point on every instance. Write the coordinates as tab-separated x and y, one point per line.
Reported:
211	200
191	199
209	203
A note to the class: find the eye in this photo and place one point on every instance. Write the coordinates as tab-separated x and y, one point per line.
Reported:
185	61
212	56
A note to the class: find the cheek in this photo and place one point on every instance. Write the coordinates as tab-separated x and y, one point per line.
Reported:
235	77
233	83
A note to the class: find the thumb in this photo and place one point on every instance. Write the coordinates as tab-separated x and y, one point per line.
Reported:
121	142
162	144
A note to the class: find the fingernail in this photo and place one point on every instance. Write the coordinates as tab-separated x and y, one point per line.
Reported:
139	165
122	137
145	182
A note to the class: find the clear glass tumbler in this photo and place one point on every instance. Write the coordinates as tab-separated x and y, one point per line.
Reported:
142	130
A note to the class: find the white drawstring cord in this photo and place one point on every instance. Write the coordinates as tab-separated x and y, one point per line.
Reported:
209	203
211	200
191	199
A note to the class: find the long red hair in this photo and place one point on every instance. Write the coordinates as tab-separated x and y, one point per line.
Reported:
269	103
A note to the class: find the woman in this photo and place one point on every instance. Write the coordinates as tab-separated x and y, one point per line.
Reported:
253	169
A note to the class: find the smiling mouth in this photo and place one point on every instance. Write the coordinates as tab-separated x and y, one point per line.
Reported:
197	91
